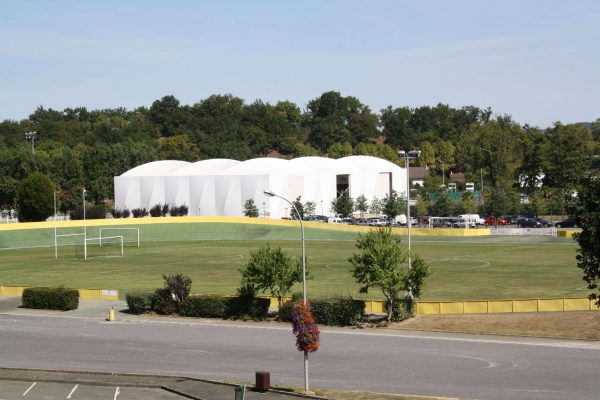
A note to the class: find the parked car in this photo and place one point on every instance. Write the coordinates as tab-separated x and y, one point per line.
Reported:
512	219
568	223
376	222
529	223
496	221
361	221
543	222
315	218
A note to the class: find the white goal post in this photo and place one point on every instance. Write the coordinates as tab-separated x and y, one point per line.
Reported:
99	239
136	232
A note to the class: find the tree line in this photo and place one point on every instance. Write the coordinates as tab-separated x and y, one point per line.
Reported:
78	148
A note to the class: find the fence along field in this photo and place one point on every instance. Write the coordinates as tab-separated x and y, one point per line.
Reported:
464	268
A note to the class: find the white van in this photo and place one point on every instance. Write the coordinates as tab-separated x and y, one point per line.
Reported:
473	219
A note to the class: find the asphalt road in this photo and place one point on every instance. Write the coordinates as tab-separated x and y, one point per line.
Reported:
426	364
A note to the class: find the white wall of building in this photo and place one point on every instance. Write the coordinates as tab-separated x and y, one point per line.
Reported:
220	187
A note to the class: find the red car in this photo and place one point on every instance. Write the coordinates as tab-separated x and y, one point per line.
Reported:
496	221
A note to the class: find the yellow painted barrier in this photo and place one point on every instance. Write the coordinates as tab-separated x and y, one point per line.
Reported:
237	220
525	305
567	234
84	294
504	306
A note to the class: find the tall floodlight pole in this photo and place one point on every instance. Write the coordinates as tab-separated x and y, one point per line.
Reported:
84	226
31	136
272	194
407	155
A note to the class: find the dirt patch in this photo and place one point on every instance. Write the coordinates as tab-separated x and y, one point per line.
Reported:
569	325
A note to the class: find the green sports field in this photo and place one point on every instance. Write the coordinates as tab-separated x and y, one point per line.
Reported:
487	267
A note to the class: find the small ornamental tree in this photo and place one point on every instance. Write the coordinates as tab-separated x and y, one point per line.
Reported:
272	270
250	209
382	263
180	287
297	206
393	205
343	205
305	328
361	205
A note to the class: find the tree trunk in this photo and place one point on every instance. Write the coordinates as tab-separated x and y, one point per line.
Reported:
390	310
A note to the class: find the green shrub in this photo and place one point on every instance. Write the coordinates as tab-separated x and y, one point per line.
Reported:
179	285
247	305
161	302
205	307
285	312
402	309
338	310
138	303
51	298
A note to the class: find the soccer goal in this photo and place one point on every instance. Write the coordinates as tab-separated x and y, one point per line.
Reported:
131	236
71	243
107	246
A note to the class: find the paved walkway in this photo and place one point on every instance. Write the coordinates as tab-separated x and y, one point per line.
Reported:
98	309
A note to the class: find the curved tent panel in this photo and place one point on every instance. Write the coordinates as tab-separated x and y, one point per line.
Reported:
155	168
205	167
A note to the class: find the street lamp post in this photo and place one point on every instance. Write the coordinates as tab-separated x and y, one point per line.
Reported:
407	155
84	225
272	194
31	136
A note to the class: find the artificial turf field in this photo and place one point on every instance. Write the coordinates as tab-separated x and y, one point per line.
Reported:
463	268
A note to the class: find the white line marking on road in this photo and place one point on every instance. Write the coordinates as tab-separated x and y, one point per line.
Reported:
116	393
30	387
72	391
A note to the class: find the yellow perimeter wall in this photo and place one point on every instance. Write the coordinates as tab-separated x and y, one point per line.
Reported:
237	220
84	294
503	306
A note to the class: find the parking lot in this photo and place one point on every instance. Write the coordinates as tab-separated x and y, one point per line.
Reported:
11	390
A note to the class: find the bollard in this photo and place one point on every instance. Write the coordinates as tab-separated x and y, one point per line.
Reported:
263	381
240	392
111	314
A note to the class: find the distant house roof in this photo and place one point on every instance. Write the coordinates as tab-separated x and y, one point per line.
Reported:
419	173
457	177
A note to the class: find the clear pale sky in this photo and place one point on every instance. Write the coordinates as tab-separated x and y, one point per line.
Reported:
538	61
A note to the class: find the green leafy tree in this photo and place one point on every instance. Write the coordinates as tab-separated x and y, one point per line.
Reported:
35	198
376	206
343	205
499	202
8	192
393	205
250	209
297	212
273	270
381	262
361	205
468	203
339	150
310	207
587	212
180	287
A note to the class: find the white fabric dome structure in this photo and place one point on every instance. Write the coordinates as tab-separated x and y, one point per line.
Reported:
220	187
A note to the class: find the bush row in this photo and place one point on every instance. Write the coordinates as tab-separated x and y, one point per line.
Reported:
96	212
337	310
161	302
51	298
159	210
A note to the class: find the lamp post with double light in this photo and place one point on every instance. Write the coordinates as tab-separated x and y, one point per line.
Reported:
408	155
31	136
272	194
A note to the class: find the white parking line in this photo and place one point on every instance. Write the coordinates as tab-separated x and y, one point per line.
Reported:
72	391
116	393
30	387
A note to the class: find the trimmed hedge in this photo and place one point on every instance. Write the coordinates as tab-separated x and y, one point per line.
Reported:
138	303
341	311
224	307
402	309
161	302
204	307
51	298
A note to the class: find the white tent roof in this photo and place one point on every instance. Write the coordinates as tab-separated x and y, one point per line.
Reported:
156	168
206	167
259	166
368	162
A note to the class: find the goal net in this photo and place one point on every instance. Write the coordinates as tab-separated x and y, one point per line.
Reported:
131	236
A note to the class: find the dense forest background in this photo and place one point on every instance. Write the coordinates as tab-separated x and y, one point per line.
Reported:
79	148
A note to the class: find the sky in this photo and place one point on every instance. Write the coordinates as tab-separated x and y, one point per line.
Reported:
536	60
